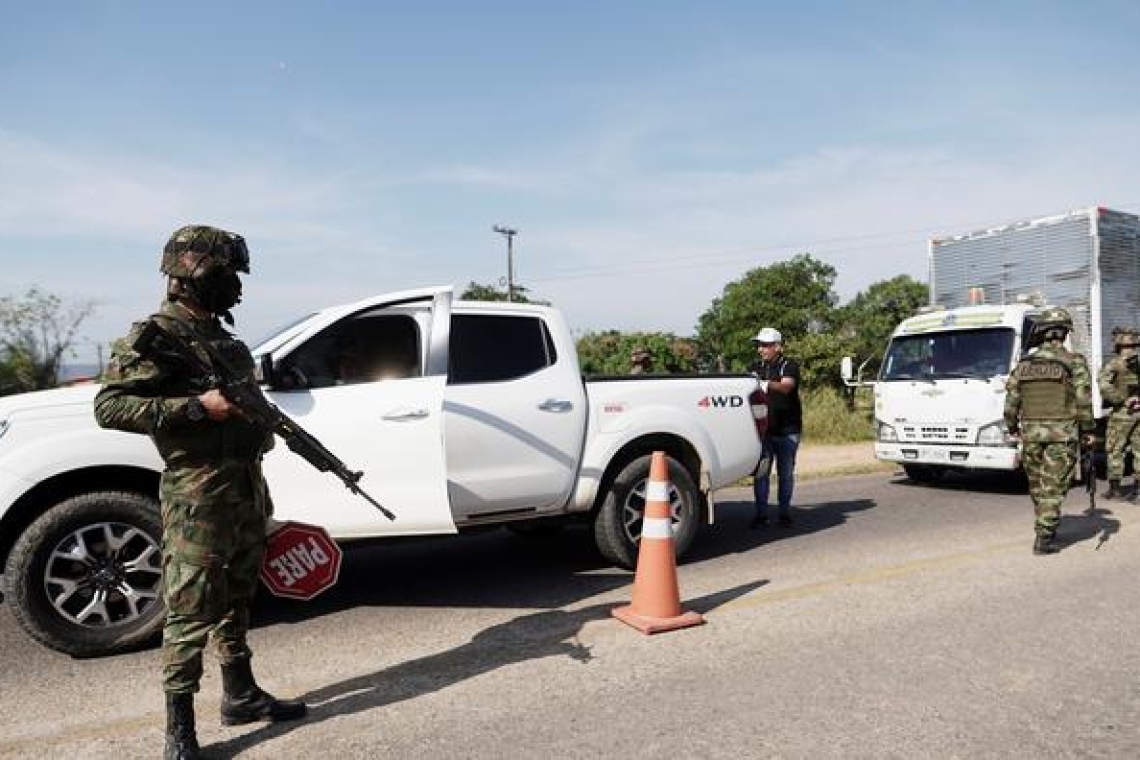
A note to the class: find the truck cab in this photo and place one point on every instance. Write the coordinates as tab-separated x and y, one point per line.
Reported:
940	393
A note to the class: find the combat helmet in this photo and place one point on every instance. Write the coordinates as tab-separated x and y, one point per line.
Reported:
197	249
1053	323
1055	317
1125	337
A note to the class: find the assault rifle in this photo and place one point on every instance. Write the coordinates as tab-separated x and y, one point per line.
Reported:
1088	472
165	348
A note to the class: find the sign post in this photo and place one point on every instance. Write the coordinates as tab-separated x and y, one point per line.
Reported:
300	561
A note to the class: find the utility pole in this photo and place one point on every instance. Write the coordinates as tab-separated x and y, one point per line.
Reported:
509	234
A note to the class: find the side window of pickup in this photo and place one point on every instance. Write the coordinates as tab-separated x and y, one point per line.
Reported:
492	348
361	349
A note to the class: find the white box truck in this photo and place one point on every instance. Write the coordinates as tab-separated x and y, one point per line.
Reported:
940	391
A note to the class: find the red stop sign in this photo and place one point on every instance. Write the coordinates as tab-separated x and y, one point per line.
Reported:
300	562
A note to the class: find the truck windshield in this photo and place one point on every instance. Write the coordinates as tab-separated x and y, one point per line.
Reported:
981	353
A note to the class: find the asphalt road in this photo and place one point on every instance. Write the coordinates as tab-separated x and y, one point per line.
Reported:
892	621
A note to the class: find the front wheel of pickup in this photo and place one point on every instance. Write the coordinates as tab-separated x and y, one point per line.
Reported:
86	577
617	526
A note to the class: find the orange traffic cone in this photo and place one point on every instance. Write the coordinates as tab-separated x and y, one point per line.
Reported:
656	604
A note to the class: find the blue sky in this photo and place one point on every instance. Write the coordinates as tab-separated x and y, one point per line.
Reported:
648	153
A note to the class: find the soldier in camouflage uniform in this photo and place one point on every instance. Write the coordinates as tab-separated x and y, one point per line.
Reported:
1048	404
215	502
1118	385
640	361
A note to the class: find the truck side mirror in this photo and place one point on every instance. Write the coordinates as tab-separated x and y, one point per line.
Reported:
846	369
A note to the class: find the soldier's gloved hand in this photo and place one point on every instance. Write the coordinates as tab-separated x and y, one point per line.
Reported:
1088	440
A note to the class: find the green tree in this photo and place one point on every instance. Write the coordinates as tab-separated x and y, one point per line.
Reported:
868	320
607	352
819	355
794	296
479	292
36	331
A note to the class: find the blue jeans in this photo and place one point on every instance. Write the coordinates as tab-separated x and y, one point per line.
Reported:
781	450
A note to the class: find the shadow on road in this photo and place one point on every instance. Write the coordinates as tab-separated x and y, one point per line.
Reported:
733	534
551	633
498	568
1084	526
971	480
490	569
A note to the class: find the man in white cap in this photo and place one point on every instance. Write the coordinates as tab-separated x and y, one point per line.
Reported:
780	379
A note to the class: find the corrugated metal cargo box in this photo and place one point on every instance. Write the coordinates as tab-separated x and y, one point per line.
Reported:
1087	261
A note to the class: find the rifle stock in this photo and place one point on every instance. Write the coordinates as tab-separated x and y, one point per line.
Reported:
164	347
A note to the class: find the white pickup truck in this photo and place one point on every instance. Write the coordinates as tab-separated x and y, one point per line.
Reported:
461	414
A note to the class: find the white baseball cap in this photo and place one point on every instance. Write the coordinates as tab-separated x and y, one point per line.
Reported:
768	335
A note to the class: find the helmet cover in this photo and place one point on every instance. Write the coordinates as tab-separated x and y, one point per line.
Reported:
197	249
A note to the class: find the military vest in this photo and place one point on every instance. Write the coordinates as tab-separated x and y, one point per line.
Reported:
1047	390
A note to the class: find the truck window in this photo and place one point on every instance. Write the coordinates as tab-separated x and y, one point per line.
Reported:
980	354
361	349
491	348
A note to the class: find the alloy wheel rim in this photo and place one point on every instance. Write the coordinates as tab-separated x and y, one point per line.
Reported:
104	574
633	511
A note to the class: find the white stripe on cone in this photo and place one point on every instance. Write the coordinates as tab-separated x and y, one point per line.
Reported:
655	490
657	527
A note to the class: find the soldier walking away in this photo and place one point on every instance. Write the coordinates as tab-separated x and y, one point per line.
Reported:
1048	405
1119	382
640	362
215	501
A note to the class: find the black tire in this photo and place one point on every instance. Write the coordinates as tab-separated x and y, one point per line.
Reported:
924	473
617	526
86	577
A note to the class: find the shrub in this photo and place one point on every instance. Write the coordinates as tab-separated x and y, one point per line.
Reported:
829	416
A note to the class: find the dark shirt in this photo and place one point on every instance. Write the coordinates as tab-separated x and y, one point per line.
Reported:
785	415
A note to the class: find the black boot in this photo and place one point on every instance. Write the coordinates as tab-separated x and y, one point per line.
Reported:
243	701
1046	543
1113	491
181	741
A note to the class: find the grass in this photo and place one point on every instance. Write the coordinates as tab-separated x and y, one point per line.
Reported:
830	418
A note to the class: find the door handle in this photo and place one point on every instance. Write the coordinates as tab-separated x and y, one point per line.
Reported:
556	405
401	415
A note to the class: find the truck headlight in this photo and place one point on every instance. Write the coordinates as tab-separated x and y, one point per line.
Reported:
887	433
993	434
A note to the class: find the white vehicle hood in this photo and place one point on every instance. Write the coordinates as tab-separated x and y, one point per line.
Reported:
946	401
76	400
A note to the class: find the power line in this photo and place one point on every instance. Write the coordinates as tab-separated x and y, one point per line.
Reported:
712	258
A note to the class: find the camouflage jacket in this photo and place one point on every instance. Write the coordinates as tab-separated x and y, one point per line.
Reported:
1066	427
205	459
1115	380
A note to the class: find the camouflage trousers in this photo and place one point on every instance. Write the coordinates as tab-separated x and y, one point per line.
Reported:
1049	467
1122	433
211	557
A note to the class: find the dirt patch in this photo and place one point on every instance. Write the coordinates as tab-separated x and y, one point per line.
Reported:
826	460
